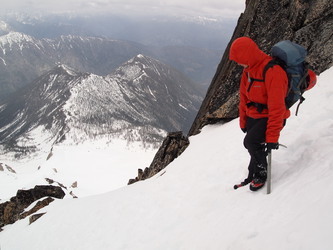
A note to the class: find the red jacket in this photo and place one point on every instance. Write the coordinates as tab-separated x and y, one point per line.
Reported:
272	92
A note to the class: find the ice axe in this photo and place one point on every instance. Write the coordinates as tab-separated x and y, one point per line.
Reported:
269	169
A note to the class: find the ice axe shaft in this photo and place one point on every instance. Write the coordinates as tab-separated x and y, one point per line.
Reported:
269	172
269	169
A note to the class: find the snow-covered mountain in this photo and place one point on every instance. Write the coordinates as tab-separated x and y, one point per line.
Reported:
39	105
140	101
154	29
70	126
23	58
192	203
155	88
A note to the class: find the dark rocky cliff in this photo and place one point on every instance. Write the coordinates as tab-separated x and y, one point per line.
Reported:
309	23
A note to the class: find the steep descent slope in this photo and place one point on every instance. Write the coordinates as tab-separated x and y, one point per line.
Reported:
192	204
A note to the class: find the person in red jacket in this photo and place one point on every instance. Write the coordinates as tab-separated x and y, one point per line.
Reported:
262	109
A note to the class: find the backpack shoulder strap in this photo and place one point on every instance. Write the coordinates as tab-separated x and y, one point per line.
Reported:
260	107
269	65
272	63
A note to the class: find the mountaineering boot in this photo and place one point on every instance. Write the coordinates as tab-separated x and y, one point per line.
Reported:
259	179
246	181
256	184
243	183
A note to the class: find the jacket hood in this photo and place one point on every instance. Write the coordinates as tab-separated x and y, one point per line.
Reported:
245	51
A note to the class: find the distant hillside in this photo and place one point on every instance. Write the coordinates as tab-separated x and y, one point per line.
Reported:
140	101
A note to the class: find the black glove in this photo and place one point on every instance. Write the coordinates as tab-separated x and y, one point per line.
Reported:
271	145
244	130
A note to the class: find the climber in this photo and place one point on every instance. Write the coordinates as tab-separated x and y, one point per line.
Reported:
261	123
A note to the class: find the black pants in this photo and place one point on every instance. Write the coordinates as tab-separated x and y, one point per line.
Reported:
254	143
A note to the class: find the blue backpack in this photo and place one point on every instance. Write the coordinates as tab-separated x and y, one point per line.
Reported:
291	57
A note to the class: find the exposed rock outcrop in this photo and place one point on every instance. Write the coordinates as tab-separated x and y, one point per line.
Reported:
35	217
13	210
4	167
173	145
40	204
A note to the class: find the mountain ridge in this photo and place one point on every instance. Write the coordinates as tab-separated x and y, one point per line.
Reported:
23	58
141	100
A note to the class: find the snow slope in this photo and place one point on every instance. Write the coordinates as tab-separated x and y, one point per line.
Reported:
192	204
94	167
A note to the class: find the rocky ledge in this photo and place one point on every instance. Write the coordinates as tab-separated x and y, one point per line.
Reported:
14	209
173	145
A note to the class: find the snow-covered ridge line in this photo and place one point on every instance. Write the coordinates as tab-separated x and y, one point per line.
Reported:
16	38
66	38
21	40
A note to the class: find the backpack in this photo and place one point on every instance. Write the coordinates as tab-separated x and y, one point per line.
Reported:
291	57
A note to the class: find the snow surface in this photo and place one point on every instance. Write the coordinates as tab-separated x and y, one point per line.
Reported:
15	38
192	204
96	166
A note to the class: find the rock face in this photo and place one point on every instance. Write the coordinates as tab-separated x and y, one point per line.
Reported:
267	22
309	23
173	145
13	210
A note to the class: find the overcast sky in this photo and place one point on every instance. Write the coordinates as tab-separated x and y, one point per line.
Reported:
221	8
